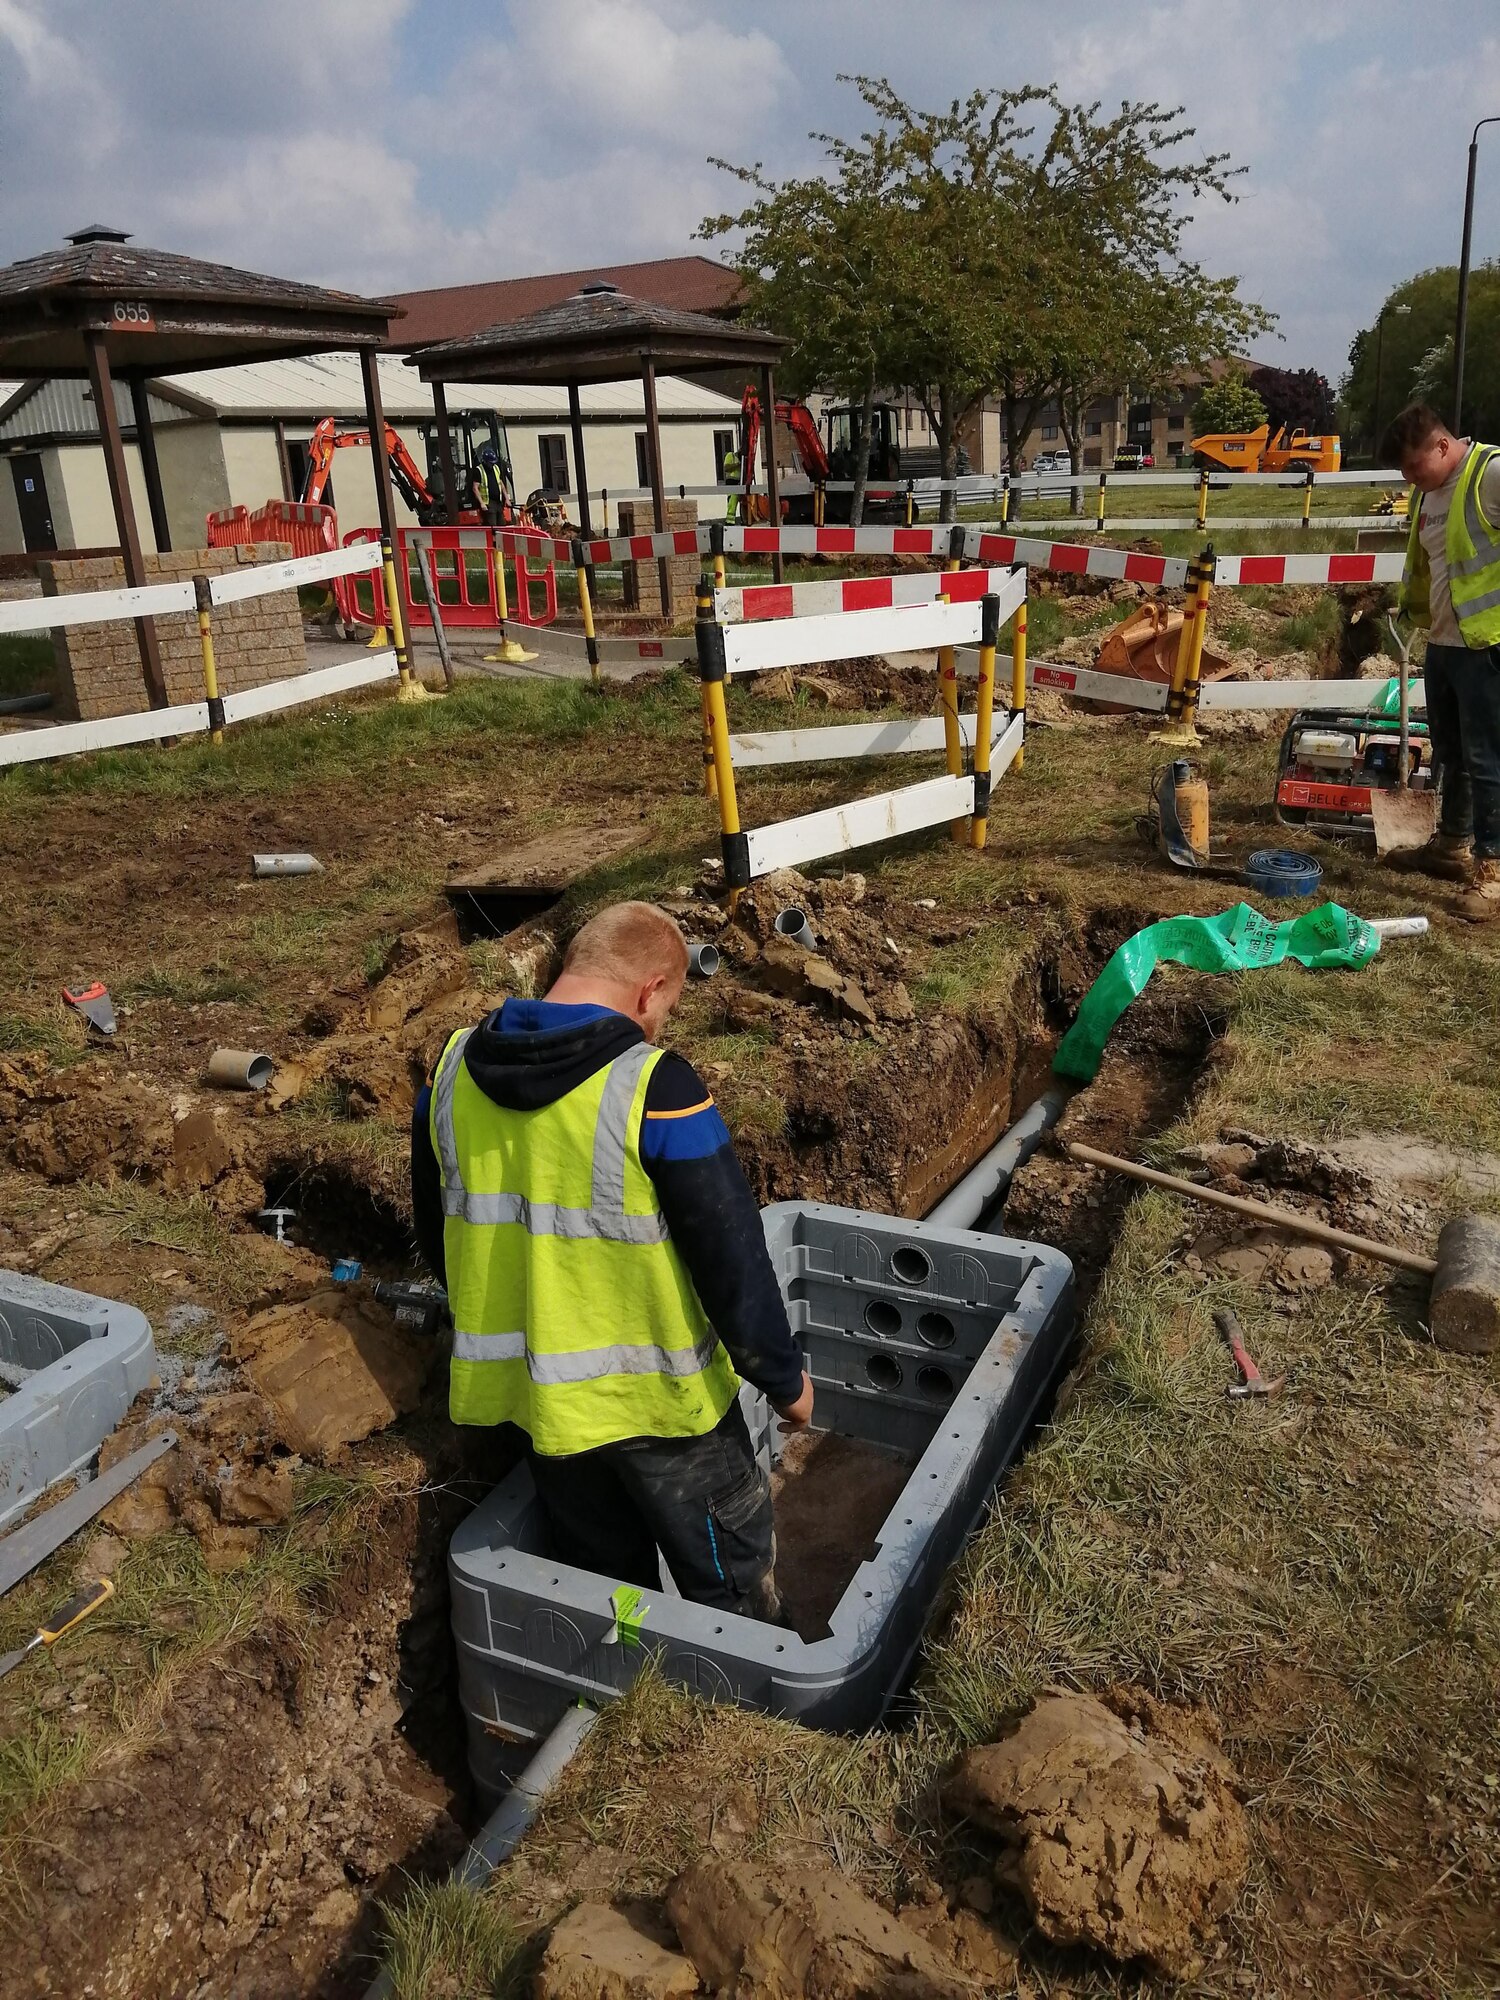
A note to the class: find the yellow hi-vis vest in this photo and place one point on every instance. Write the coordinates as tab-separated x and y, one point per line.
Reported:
1473	551
573	1314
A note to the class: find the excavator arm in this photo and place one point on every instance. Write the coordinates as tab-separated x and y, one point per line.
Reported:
406	475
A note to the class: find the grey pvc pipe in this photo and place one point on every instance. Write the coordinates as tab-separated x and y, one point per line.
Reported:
703	960
984	1184
286	864
240	1069
792	924
501	1833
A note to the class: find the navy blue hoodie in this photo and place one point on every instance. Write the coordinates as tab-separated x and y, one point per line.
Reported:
528	1054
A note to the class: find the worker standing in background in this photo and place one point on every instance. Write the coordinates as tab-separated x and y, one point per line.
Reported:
1451	588
730	476
490	495
578	1194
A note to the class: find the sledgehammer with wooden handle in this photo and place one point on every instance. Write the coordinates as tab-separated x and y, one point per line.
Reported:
1464	1304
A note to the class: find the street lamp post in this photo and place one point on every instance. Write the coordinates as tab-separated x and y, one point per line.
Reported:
1398	312
1461	331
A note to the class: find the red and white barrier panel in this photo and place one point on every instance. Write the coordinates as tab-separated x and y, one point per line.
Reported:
1349	567
1077	558
856	593
847	635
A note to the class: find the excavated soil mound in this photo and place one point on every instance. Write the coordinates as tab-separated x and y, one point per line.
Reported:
1120	1825
760	1935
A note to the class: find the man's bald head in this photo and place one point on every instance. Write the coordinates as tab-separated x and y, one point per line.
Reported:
631	957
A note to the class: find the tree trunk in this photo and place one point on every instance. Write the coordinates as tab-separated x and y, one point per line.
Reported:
864	431
1070	423
947	437
1015	438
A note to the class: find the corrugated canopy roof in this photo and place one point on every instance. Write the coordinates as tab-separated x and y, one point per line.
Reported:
597	336
453	312
163	313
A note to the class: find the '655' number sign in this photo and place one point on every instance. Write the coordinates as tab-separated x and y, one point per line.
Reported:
131	316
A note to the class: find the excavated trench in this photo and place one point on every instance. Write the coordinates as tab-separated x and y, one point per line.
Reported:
248	1846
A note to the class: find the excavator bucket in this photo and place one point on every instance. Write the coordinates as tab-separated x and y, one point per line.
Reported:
1144	647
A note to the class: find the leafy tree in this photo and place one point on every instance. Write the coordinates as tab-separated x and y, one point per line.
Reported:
816	264
1300	398
1412	339
1229	404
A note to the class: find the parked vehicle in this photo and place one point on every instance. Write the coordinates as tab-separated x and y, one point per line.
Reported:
1133	458
1259	451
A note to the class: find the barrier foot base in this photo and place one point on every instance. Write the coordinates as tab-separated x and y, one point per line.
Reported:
379	638
413	690
511	654
1178	736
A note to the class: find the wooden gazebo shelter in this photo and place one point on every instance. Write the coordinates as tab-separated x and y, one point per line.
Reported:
104	309
603	335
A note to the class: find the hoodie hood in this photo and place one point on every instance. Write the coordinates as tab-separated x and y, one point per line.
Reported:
529	1053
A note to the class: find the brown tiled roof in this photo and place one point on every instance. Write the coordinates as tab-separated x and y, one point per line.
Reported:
682	284
597	336
124	269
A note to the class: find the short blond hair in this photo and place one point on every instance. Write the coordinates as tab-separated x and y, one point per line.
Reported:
627	942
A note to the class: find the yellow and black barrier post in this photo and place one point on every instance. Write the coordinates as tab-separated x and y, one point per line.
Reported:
1018	675
984	711
911	501
716	550
1182	695
586	608
408	687
710	776
203	594
510	652
1099	510
1005	501
713	671
953	743
1201	512
1307	494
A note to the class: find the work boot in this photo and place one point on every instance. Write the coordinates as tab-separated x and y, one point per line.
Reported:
1449	856
1482	904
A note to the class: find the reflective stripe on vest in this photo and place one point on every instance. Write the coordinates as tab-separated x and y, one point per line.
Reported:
605	1217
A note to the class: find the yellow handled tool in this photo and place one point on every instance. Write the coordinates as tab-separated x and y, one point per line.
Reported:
63	1619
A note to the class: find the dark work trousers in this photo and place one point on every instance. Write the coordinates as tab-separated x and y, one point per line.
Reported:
1463	718
703	1501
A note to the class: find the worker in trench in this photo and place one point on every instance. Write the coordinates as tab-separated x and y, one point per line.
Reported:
576	1190
1451	588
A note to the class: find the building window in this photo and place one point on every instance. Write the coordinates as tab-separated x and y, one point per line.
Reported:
554	450
725	442
1049	431
1174	445
642	460
1093	428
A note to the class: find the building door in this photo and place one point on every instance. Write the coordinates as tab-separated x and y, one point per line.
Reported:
32	502
554	456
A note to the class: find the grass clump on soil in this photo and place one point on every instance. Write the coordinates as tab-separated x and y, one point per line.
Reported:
443	1940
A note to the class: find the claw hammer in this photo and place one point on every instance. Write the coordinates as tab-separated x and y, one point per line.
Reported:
1252	1382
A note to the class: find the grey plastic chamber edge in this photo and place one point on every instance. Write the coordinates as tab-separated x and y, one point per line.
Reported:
938	1342
80	1362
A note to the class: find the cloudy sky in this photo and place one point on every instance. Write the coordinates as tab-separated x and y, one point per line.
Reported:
386	144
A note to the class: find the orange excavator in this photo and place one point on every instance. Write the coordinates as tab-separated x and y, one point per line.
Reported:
475	452
820	459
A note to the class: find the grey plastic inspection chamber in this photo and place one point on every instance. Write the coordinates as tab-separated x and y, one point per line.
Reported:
938	1342
79	1362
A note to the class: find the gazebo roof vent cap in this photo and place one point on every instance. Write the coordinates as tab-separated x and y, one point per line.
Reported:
99	232
597	288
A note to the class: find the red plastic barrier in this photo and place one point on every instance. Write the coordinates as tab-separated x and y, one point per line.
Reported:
361	598
310	529
463	566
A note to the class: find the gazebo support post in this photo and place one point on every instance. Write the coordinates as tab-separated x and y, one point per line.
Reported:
103	385
284	461
385	501
658	490
145	438
773	480
447	472
581	479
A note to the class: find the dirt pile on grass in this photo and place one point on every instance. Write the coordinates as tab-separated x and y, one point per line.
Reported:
868	682
335	1367
1119	1824
768	1934
853	973
229	1477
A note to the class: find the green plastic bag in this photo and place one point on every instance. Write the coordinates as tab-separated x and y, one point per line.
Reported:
1238	940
